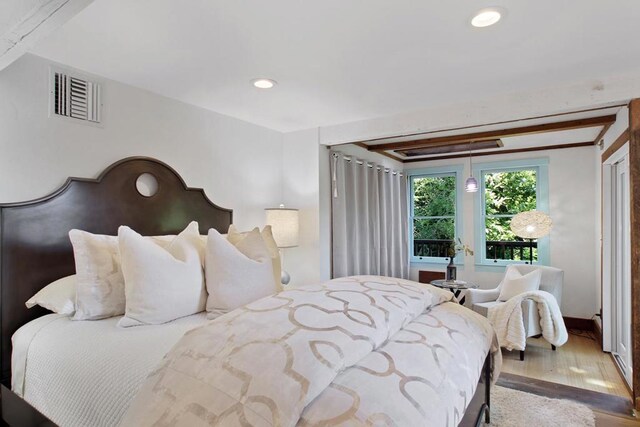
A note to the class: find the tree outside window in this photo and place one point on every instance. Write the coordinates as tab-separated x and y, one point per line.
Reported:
507	193
433	210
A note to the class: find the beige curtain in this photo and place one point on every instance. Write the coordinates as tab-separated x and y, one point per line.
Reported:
369	219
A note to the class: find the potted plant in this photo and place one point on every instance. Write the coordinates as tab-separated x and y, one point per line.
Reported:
454	250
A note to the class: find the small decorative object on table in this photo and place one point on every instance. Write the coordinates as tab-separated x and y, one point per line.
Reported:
453	251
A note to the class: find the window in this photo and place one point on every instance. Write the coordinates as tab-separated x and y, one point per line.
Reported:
507	189
434	212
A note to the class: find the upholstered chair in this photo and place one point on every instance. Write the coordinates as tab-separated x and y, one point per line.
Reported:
480	300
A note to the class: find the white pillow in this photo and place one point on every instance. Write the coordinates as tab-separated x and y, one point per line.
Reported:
100	282
161	284
58	296
100	288
515	283
237	274
235	237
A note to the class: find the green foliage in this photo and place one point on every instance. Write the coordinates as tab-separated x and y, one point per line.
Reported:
510	192
434	197
506	194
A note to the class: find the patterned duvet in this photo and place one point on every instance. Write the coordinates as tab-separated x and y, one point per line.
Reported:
362	350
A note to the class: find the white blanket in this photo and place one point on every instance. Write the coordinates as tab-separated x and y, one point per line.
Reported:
85	373
508	321
362	350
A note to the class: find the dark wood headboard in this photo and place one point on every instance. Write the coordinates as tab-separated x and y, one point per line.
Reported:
34	242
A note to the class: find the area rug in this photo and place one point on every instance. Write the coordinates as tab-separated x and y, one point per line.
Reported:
513	408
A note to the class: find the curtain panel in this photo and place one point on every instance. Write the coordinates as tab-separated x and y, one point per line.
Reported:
369	219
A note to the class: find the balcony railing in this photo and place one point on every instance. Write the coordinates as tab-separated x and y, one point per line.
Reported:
513	250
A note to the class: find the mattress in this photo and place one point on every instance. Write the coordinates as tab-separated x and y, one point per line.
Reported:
85	373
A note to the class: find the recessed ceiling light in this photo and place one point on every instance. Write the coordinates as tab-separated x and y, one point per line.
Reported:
486	17
264	83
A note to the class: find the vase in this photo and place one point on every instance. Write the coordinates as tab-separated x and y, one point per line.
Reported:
451	270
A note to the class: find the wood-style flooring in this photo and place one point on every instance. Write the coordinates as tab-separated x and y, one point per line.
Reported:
579	363
579	371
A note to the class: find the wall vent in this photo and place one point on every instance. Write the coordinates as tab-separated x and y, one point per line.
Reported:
75	97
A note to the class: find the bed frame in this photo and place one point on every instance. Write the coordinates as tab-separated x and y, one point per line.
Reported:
34	236
35	250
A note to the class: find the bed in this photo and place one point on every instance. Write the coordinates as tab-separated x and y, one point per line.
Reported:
35	250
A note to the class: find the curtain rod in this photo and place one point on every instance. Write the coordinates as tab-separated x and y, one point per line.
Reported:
370	165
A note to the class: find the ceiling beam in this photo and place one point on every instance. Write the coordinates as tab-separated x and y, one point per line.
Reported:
499	133
500	152
43	16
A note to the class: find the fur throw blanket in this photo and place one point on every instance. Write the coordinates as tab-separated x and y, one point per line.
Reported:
508	321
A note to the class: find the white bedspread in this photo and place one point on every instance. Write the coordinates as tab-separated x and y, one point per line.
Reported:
85	373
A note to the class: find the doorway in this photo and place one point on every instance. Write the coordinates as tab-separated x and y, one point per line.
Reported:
616	319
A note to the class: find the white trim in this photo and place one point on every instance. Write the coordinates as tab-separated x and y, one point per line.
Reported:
607	247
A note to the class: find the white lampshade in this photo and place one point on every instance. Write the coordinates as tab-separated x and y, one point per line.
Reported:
284	225
471	185
531	224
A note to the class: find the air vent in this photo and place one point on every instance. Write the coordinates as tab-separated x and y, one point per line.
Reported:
76	97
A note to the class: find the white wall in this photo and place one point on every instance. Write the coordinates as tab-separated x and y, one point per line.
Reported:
301	182
572	208
237	163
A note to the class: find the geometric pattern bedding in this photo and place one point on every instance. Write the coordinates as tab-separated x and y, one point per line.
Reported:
353	351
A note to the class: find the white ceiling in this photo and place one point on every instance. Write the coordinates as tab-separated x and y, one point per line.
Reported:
338	61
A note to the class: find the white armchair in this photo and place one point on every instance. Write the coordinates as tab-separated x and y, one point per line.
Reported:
480	300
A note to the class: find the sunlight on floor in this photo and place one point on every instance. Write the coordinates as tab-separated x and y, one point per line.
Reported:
579	363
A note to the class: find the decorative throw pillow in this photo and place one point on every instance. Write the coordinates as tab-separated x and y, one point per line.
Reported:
100	282
237	274
100	285
161	284
236	236
58	296
515	283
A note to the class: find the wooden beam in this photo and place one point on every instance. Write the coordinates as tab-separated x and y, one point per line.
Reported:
500	152
384	153
634	204
448	149
604	130
619	142
42	18
503	122
497	134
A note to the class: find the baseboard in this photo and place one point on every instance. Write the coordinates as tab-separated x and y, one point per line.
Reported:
578	323
597	331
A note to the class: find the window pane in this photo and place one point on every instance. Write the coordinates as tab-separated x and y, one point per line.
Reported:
510	192
502	244
433	237
434	196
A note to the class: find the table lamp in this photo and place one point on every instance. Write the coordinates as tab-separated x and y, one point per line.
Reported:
285	226
531	225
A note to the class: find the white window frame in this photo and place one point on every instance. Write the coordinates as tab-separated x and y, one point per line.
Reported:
541	166
456	171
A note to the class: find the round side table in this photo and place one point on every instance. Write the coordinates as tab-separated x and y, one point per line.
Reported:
455	286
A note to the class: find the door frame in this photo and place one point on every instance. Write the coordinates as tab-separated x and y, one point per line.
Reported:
632	136
610	158
634	204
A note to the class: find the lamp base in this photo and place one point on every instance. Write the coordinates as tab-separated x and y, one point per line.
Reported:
285	278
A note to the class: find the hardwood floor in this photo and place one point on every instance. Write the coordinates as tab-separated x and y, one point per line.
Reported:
579	364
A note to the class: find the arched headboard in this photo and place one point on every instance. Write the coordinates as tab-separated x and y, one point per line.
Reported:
34	242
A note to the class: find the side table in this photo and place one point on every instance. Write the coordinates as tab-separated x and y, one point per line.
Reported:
455	286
